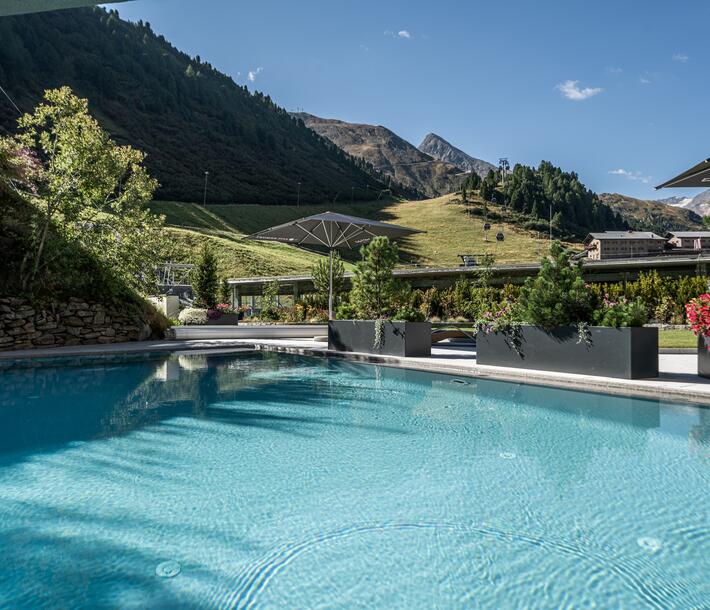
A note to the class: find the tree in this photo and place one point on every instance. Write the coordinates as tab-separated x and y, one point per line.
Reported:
269	300
86	188
488	186
375	290
225	292
321	278
558	295
206	283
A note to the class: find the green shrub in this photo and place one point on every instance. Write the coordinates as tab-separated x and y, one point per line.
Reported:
409	314
321	279
621	313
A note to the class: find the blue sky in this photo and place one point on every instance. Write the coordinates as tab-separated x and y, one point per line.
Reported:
612	90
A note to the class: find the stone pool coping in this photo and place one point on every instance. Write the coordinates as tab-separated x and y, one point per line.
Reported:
677	381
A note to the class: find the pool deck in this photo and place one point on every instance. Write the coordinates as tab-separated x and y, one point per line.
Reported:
677	381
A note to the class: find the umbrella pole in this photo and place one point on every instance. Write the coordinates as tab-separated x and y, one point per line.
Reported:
330	288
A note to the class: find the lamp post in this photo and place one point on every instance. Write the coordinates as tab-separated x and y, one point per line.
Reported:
298	195
204	196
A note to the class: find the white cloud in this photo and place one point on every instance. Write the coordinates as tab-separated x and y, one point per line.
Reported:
644	80
681	57
252	74
406	34
571	90
635	176
614	70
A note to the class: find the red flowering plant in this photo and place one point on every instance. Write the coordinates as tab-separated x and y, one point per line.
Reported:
697	312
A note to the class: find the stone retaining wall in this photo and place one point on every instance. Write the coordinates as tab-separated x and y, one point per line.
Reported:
75	322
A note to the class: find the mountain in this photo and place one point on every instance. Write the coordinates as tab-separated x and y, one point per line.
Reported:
388	153
188	117
649	215
700	204
677	201
437	147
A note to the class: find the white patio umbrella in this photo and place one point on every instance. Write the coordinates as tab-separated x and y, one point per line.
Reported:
334	231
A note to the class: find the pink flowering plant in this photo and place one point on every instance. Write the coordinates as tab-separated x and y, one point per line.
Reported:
697	312
503	318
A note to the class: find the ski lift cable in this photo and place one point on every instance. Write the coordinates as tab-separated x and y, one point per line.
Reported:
11	101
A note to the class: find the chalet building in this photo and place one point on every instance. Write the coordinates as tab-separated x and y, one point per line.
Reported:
623	244
689	240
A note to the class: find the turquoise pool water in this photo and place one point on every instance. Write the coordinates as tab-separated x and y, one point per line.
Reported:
270	481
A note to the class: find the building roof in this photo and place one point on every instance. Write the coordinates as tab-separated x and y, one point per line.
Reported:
689	234
623	235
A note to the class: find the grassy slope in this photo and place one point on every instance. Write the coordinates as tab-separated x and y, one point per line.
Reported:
450	231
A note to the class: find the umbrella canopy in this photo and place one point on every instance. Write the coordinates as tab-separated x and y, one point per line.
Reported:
334	231
696	176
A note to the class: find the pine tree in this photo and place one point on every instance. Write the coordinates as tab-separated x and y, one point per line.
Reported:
374	287
225	292
206	282
488	186
558	296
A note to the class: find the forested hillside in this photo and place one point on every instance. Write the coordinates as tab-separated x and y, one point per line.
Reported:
188	117
575	209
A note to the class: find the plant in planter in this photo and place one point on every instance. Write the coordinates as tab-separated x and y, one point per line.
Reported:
698	316
550	329
384	321
222	314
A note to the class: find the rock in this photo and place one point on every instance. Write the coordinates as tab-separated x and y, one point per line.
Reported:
108	332
73	321
47	326
90	335
44	340
99	318
6	340
29	326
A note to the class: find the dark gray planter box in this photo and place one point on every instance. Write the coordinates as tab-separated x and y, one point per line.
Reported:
400	338
703	356
626	353
227	319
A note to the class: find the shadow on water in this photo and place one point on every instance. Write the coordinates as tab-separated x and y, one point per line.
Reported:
45	408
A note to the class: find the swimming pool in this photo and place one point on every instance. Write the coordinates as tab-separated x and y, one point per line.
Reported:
259	480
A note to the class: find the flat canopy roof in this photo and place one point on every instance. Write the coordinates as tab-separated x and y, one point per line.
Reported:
686	234
696	176
623	235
